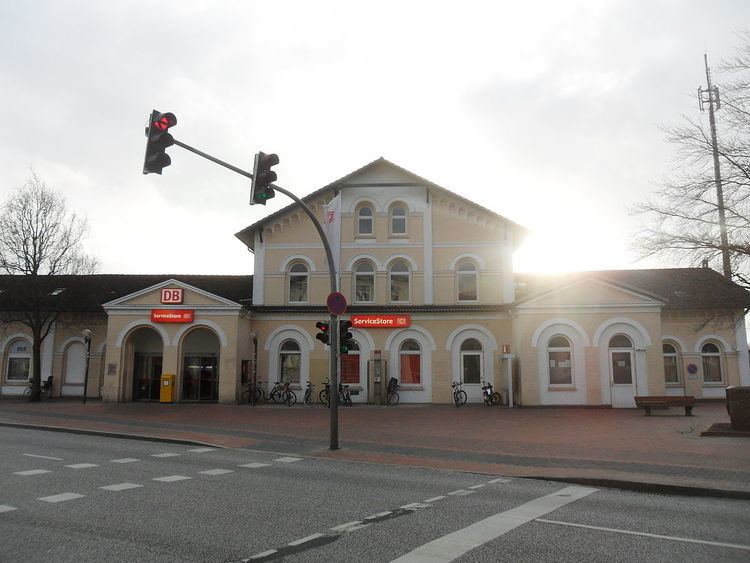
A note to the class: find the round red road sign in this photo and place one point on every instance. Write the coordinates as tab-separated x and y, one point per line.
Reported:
336	303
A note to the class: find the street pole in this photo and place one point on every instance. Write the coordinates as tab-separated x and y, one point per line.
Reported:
333	373
87	339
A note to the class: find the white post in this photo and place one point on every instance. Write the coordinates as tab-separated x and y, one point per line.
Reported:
509	374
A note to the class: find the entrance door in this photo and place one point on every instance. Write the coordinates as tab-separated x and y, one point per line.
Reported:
472	369
622	378
200	379
146	377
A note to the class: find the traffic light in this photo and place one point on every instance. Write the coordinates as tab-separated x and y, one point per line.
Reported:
346	340
263	176
158	140
324	336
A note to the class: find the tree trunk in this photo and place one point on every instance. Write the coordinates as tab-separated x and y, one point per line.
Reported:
36	365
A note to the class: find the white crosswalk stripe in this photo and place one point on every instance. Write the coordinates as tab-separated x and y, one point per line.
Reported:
31	472
121	487
62	497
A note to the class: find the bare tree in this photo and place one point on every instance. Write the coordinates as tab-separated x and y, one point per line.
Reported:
39	238
682	219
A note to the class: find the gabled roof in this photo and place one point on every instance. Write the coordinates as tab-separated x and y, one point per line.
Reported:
87	293
245	235
677	288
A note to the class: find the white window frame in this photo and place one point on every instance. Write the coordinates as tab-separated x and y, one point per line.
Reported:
558	349
465	274
418	352
370	219
677	363
719	355
15	355
464	353
282	353
408	281
371	274
306	275
392	218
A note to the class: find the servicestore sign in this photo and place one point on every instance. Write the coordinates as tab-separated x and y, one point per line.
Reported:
172	315
381	321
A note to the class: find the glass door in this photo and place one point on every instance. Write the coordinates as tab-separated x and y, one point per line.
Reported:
622	378
200	378
146	377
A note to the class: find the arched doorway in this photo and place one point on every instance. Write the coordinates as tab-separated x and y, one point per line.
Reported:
622	371
200	365
147	347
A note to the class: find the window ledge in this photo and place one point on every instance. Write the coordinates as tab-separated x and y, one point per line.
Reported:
567	388
714	384
671	385
410	387
398	238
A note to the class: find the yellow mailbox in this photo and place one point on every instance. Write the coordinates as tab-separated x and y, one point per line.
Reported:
166	393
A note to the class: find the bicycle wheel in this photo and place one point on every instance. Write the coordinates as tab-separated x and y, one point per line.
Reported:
309	399
497	398
460	397
278	395
245	396
324	397
27	392
258	394
392	399
291	398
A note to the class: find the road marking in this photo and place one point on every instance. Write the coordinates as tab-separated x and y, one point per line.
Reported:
477	486
415	505
344	527
433	499
201	450
44	457
216	471
32	472
460	492
288	459
61	497
379	515
455	544
121	487
167	454
499	480
263	554
305	540
82	465
124	460
646	534
171	478
6	508
254	465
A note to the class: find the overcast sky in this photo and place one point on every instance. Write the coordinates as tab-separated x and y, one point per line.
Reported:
545	112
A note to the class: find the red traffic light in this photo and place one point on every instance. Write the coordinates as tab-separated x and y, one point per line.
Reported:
164	121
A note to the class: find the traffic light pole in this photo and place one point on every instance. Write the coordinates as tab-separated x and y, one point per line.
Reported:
333	371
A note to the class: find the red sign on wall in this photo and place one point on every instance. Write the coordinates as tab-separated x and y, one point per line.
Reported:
172	315
381	321
172	296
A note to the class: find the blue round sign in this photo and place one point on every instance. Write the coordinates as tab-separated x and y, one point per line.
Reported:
336	303
692	369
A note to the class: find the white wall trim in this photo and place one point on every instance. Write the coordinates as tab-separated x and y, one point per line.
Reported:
290	328
488	339
703	339
489	346
743	359
61	348
576	395
364	256
400	256
564	322
356	202
259	270
141	323
478	260
297	257
428	265
396	336
642	337
272	345
639	336
217	330
676	340
11	338
427	344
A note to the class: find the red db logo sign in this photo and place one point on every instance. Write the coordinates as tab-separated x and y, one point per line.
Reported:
171	296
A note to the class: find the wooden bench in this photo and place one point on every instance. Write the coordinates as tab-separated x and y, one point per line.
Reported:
665	402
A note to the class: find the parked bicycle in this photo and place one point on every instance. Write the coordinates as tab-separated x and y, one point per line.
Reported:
391	392
345	397
276	394
459	395
253	393
45	387
288	397
490	397
324	397
310	398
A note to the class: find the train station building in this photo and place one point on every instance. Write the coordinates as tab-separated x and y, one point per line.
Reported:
428	277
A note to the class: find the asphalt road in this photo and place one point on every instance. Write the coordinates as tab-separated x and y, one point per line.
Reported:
67	497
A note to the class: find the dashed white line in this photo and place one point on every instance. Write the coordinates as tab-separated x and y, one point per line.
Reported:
477	486
61	497
344	527
201	450
167	454
379	514
31	472
254	465
646	534
172	478
433	499
6	508
305	540
216	471
288	459
500	480
82	465
121	487
263	554
124	460
460	492
44	457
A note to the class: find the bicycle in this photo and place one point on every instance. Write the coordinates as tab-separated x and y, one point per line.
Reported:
45	389
490	397
324	397
277	392
288	396
391	393
459	395
345	397
253	393
309	399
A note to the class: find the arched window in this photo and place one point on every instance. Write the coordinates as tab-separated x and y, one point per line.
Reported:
364	282
398	281
621	356
18	367
364	221
410	357
560	361
350	366
620	341
467	281
398	219
712	369
298	283
471	361
671	363
289	361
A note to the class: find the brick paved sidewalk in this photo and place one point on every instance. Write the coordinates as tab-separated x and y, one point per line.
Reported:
599	444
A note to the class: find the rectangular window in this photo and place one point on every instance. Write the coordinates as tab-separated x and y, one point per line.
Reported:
560	372
467	287
364	288
711	369
350	369
399	287
298	289
622	373
410	369
671	374
290	368
472	368
18	369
